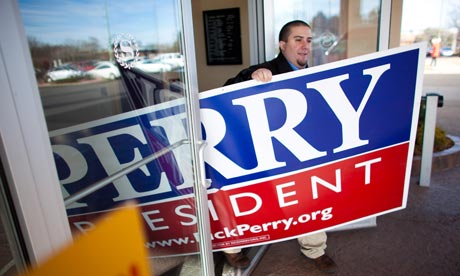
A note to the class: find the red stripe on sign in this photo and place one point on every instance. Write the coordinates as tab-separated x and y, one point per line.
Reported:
280	208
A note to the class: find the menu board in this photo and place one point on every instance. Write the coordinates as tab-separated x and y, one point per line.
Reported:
223	36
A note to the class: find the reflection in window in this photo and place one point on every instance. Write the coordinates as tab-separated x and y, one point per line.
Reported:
341	29
71	44
81	79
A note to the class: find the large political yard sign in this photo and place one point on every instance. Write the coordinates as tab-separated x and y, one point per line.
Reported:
308	151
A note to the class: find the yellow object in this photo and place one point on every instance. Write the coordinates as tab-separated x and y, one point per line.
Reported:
116	246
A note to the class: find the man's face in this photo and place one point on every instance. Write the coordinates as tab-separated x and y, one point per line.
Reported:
298	46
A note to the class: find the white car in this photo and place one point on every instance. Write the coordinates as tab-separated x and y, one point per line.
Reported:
105	70
152	66
63	72
176	60
447	52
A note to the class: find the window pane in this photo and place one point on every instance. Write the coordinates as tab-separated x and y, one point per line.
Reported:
72	47
104	70
341	29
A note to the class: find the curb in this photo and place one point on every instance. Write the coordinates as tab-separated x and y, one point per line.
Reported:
443	160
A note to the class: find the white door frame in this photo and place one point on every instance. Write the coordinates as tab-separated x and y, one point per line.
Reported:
26	152
25	149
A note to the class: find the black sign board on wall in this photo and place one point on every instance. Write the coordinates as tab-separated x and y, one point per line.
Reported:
223	36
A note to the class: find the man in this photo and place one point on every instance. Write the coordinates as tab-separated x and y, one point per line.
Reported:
295	39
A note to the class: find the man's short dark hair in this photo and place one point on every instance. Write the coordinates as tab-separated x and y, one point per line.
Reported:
286	30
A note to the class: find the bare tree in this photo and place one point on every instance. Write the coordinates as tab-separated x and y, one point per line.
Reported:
455	23
454	16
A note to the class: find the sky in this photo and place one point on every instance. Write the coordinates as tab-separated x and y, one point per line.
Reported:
151	21
60	21
419	15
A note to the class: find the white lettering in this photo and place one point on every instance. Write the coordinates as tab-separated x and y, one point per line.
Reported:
235	206
296	109
179	212
266	226
242	228
282	196
256	229
326	214
151	222
275	224
77	166
103	149
336	188
74	160
212	211
367	169
313	215
332	92
230	233
84	226
304	218
287	223
219	235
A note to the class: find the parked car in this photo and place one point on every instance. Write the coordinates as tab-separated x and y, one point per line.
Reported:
104	69
85	65
447	52
176	60
152	66
63	72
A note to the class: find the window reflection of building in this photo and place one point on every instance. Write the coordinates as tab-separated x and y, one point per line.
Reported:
66	50
341	29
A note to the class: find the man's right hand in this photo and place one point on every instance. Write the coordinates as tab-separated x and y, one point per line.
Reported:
262	74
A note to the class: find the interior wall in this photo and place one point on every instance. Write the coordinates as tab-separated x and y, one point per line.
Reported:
395	23
213	76
361	34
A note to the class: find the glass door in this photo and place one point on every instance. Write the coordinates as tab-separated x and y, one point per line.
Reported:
119	98
341	29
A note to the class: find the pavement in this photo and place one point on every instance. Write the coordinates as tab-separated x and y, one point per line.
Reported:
444	65
422	239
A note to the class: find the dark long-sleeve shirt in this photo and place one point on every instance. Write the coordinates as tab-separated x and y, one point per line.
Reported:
277	66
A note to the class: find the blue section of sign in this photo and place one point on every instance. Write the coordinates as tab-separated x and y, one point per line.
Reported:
386	119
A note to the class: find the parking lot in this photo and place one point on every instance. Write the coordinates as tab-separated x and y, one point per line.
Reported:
444	65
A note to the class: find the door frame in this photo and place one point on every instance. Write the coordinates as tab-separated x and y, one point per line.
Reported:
26	153
25	149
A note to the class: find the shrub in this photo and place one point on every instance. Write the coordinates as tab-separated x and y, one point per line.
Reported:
441	141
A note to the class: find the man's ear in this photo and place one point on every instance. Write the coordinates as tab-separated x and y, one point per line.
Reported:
283	45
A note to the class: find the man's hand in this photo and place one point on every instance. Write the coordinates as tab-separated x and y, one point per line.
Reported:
262	74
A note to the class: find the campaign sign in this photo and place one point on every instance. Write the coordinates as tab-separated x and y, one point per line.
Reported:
308	151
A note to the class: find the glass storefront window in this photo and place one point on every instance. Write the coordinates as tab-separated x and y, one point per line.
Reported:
108	73
72	47
341	29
